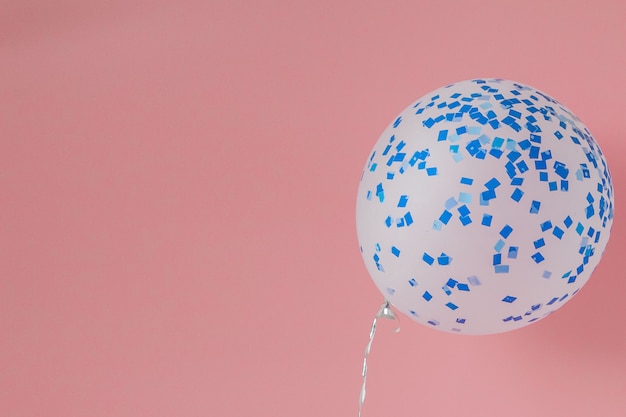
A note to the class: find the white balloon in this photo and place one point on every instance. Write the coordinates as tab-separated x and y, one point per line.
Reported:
483	207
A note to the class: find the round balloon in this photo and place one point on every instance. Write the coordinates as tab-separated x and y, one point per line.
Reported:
483	207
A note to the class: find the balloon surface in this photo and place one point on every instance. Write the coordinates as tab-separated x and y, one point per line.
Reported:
483	207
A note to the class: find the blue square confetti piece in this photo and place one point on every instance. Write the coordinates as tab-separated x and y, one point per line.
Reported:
395	251
517	181
463	210
506	231
496	153
499	245
445	217
437	225
443	135
473	280
543	176
558	232
539	243
408	218
451	306
513	252
535	206
428	259
450	203
533	153
443	259
522	166
579	228
487	220
497	259
467	181
513	156
568	222
427	296
517	195
403	201
492	184
509	299
501	269
412	282
465	197
462	287
537	257
388	221
432	171
488	195
465	220
451	283
552	186
561	170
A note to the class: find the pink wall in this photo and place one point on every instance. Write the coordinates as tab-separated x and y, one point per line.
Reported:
178	186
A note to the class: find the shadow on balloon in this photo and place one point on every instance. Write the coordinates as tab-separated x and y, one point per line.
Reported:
592	321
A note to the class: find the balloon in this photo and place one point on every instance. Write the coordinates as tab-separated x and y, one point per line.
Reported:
483	207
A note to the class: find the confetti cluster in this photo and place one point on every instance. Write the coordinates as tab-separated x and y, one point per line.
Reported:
483	207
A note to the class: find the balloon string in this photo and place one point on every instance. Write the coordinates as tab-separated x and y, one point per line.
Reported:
385	312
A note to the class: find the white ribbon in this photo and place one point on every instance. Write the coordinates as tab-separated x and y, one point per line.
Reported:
385	312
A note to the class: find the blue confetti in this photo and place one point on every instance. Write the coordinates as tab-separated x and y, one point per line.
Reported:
535	206
537	257
517	195
506	231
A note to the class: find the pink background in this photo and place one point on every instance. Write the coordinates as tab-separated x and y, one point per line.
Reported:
178	185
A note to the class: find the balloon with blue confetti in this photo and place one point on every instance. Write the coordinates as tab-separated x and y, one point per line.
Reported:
483	207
